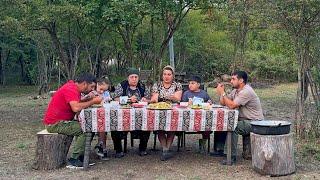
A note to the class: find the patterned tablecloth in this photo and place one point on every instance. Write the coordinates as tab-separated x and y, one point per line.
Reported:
108	119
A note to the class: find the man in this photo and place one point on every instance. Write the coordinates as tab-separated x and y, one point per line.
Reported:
246	101
136	91
59	117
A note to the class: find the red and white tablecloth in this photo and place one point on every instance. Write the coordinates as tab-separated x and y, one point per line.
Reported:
192	120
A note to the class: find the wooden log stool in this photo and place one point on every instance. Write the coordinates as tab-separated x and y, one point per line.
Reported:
273	154
52	150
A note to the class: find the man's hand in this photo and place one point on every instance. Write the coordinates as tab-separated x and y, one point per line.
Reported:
97	100
220	89
144	99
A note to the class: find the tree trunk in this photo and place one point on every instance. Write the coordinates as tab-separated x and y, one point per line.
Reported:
273	154
52	150
4	56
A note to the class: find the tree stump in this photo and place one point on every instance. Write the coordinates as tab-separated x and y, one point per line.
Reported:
52	150
272	154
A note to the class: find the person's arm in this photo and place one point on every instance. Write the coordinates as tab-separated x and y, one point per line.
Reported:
154	93
154	98
78	106
176	96
224	100
118	92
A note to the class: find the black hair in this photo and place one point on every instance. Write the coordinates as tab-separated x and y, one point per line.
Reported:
241	75
195	78
86	77
104	79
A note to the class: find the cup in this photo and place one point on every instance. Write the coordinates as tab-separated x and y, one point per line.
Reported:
124	99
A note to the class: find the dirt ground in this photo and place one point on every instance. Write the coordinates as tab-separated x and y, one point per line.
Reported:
21	119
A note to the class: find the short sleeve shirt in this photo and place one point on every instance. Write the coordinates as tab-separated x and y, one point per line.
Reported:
165	92
201	94
250	106
59	107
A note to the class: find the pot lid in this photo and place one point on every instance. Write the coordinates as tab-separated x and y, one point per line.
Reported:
270	123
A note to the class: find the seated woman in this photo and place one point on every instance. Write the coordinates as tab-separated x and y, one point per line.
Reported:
163	91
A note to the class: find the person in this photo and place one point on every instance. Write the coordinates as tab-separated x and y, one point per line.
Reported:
59	116
195	91
164	91
103	85
243	98
136	91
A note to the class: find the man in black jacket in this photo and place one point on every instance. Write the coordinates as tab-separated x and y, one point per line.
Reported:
136	92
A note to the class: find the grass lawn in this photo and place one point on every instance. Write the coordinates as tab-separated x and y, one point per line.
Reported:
21	118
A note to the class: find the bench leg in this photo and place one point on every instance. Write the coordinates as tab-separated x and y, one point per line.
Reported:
229	148
87	149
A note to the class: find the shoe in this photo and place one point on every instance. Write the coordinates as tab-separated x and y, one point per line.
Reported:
74	164
119	155
233	161
218	153
165	156
81	158
99	150
105	156
143	153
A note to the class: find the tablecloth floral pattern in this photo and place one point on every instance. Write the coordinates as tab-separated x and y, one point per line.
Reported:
178	119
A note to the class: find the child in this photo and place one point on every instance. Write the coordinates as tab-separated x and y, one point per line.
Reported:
195	91
102	89
103	85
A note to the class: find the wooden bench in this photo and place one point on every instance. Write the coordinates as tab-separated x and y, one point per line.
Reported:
51	150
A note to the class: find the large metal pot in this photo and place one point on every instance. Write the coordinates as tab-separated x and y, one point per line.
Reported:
270	127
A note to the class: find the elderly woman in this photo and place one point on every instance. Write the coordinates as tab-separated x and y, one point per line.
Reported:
163	91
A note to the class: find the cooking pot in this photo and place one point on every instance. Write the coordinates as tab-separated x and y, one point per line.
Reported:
266	127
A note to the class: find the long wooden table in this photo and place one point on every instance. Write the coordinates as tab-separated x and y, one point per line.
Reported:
110	118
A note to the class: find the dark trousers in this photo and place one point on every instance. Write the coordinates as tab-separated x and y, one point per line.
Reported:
117	136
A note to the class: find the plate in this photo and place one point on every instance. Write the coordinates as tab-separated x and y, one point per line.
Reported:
217	106
96	105
159	108
136	105
196	107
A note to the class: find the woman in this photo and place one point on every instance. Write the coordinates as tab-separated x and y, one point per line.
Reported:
166	90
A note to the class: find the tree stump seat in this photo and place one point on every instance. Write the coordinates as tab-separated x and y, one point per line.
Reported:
273	154
51	150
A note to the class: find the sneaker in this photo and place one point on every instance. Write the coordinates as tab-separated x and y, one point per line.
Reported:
120	155
218	153
143	153
74	164
105	156
99	150
165	156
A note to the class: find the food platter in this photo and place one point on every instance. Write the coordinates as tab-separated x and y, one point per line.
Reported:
196	107
160	106
137	105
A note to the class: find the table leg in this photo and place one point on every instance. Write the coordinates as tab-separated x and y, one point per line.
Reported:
87	149
229	148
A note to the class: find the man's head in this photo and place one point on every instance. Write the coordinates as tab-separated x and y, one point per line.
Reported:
194	83
86	82
133	76
239	79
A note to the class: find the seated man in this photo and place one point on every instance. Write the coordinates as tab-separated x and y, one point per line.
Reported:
195	91
59	117
246	101
136	91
